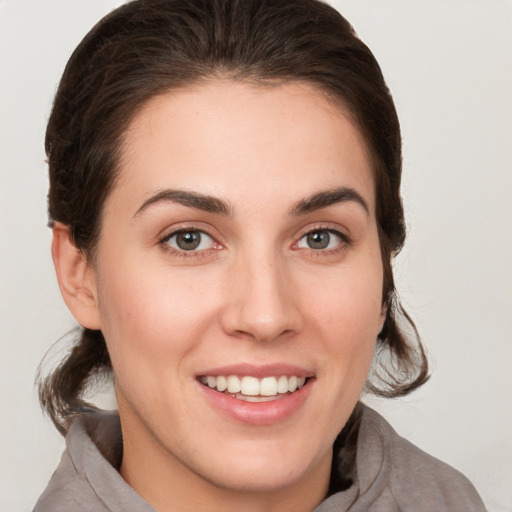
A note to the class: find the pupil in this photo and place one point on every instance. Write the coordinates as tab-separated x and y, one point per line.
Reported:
188	240
318	239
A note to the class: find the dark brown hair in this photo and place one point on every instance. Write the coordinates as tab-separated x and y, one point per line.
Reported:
148	47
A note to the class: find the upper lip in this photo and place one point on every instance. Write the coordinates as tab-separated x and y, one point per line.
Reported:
258	371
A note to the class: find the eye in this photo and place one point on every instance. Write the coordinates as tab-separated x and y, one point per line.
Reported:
321	239
189	240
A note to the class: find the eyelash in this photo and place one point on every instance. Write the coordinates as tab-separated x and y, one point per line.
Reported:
164	242
344	242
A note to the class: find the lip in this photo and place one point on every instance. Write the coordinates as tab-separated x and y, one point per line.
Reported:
269	370
257	413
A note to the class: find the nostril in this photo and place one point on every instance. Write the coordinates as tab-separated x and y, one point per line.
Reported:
263	311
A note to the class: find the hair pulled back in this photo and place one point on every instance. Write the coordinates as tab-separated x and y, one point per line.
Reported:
148	47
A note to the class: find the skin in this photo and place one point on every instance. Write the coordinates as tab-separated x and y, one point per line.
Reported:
254	292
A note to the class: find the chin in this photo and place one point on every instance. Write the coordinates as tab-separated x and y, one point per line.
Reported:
249	479
266	468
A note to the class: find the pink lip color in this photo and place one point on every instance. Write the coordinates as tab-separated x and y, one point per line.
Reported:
270	370
257	413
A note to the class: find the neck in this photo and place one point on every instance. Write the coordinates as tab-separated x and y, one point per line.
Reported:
168	485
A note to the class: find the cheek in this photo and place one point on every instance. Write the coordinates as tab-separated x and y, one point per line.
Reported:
153	327
347	315
349	303
151	319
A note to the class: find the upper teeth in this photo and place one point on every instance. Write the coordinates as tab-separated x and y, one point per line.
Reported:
252	386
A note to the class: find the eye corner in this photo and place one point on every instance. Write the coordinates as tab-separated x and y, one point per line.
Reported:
322	240
189	241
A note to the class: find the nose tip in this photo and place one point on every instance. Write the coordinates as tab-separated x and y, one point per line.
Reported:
262	305
263	327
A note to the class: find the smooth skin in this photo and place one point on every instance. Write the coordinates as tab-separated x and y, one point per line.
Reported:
180	286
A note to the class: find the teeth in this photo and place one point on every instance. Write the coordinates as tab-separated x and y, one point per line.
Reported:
252	386
222	383
282	384
233	384
268	386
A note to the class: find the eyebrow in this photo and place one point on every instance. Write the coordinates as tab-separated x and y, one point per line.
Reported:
215	205
186	198
326	198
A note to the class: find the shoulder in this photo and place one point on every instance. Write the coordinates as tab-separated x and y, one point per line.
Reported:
67	490
416	480
87	477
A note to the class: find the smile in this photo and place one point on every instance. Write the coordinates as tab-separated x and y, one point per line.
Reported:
252	389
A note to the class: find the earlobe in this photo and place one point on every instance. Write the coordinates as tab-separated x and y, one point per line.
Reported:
76	278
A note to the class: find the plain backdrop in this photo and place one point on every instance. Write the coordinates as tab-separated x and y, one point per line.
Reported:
449	66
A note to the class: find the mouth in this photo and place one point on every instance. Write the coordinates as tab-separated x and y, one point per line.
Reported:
252	389
257	395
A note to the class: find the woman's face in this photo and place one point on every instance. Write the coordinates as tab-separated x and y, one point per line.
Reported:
239	248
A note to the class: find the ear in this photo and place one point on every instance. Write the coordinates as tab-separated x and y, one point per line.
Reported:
77	280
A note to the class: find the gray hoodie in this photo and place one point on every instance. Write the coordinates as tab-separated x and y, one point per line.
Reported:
392	475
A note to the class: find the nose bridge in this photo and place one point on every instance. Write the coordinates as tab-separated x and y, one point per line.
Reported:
262	304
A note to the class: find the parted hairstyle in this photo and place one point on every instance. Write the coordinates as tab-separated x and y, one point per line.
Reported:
149	47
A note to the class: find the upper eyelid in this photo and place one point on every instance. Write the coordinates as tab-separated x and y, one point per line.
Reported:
178	231
326	226
329	230
167	233
163	243
344	239
343	233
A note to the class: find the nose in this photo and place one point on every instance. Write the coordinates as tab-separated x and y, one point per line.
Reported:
261	302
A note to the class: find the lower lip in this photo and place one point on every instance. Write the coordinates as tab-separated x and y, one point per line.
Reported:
258	413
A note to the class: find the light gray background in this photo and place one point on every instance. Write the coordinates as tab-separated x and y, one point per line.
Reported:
449	66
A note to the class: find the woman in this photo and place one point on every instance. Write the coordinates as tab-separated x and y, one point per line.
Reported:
224	200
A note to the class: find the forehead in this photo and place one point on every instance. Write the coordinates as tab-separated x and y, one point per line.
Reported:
226	138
